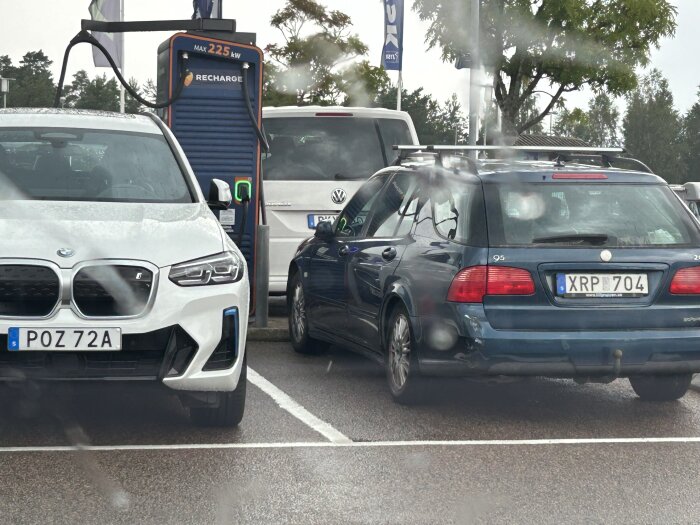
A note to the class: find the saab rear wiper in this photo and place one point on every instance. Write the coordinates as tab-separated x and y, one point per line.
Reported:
592	238
343	176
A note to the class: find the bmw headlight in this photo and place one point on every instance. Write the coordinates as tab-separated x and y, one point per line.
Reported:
223	268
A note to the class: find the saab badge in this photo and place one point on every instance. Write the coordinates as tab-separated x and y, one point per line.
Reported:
606	256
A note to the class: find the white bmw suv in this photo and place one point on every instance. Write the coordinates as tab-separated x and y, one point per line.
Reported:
112	265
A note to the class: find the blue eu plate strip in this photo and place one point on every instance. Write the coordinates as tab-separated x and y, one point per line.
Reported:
310	220
561	284
13	339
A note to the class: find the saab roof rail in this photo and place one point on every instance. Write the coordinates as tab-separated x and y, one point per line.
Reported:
606	157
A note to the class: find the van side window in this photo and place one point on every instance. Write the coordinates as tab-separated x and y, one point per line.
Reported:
394	132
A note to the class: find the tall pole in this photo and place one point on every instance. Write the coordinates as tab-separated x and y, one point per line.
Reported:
399	89
474	80
122	96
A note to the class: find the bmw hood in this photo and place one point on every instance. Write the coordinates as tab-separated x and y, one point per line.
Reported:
162	234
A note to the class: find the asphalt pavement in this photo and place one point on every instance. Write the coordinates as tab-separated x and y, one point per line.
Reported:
322	442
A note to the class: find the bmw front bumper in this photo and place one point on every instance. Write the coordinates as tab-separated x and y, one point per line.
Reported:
190	339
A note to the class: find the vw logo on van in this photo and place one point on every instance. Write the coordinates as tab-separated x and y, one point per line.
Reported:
338	196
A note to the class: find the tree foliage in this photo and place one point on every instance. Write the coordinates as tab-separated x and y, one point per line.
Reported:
558	45
691	142
652	128
33	85
435	123
318	61
599	126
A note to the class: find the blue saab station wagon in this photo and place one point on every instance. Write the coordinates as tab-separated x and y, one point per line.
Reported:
446	266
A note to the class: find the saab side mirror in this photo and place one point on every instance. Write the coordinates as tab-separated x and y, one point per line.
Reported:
219	195
324	230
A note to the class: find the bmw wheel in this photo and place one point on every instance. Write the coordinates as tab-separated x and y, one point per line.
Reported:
661	388
401	370
298	322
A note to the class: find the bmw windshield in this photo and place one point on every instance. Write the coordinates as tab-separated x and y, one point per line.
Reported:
60	164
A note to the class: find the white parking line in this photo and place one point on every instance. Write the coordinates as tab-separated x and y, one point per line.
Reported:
356	444
287	403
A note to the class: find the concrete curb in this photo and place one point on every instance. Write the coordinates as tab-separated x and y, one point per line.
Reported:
268	334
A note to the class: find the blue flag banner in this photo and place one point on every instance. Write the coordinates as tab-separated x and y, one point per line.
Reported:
393	35
206	8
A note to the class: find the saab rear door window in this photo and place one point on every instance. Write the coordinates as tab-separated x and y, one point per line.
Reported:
393	213
351	221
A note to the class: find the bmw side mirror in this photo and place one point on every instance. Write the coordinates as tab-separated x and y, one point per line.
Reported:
219	195
324	230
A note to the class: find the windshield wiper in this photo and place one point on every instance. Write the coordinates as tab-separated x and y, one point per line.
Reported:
343	176
592	238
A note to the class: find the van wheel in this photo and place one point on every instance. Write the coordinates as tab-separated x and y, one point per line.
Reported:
298	321
661	388
228	408
402	373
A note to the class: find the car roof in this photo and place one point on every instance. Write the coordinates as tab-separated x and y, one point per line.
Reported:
503	171
77	118
311	111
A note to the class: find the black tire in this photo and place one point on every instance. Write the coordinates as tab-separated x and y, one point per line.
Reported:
298	320
661	388
228	412
405	384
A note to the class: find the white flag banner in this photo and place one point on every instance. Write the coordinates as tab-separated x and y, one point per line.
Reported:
107	11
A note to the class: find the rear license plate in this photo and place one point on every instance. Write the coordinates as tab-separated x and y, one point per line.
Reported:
315	219
602	284
64	339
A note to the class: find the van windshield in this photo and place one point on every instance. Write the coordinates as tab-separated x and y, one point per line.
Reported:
70	164
331	148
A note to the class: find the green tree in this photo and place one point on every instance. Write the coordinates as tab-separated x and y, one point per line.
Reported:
528	111
652	127
317	63
131	105
572	123
98	93
598	126
691	142
558	45
33	85
435	123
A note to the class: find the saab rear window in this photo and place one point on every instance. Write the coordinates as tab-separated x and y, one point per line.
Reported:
584	214
330	148
83	165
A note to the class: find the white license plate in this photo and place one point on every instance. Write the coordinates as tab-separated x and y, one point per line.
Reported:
602	284
64	339
315	219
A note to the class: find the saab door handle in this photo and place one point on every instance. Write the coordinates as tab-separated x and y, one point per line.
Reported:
389	254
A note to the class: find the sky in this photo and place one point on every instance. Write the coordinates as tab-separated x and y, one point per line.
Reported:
50	24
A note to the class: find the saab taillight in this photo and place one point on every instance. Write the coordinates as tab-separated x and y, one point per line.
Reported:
686	281
470	285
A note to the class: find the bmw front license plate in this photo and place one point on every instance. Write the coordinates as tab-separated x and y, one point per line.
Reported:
602	284
64	339
315	219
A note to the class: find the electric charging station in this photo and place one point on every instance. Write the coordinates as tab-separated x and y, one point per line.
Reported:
211	120
210	94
